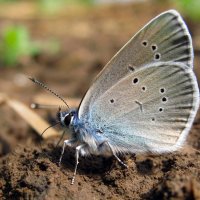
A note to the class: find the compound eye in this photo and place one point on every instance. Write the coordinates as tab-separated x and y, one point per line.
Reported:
67	119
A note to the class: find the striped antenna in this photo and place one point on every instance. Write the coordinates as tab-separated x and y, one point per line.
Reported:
48	89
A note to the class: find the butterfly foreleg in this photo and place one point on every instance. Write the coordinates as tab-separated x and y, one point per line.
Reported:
78	148
66	143
60	139
115	155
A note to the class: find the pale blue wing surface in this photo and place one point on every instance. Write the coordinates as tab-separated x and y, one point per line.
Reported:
165	38
151	109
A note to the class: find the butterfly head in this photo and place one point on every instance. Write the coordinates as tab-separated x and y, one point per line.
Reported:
65	117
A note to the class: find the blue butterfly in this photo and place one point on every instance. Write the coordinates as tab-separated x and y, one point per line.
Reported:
144	100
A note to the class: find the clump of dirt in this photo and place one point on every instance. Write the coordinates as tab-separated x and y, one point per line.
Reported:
27	173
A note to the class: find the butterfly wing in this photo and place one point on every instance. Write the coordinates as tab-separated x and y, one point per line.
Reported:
151	109
165	38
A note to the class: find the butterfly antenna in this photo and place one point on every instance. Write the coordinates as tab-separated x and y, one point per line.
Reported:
48	89
48	128
41	135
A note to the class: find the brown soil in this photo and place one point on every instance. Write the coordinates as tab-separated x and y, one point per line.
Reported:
88	38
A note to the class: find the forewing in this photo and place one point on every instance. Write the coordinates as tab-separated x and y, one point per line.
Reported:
165	38
151	109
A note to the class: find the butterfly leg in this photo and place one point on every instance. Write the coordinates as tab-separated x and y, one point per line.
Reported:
78	148
115	155
66	142
60	139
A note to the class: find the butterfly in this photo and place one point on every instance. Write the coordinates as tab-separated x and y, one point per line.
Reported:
144	100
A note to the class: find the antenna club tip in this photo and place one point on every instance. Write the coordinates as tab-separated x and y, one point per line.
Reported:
32	79
34	106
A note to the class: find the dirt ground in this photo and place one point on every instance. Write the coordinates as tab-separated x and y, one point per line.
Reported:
88	39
